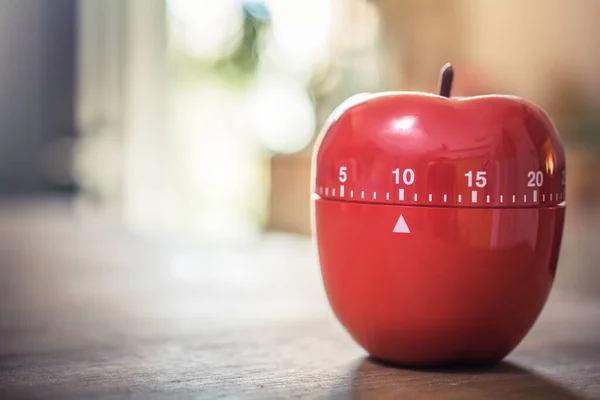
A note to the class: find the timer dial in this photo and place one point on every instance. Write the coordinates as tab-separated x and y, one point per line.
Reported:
416	149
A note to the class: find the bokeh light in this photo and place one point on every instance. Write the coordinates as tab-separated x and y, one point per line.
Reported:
209	28
300	32
282	114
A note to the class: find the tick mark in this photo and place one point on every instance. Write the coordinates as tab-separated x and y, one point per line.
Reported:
333	192
351	193
326	191
341	190
525	198
535	195
374	195
401	194
362	194
415	197
543	196
460	198
387	196
501	199
445	197
430	197
473	196
487	199
550	196
514	198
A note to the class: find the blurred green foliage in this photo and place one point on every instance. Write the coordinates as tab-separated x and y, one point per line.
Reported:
235	69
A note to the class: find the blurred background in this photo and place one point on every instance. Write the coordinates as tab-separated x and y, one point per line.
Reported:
197	117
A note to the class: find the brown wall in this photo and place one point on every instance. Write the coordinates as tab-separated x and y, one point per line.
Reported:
290	194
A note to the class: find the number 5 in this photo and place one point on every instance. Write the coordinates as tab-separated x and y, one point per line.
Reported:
480	181
343	174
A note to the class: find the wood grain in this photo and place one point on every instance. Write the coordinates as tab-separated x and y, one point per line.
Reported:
88	312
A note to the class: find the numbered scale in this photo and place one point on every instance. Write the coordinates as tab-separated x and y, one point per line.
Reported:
473	191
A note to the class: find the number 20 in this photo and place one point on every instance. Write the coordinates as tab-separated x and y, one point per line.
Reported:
535	179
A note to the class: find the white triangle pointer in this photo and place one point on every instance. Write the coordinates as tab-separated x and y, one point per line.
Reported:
401	226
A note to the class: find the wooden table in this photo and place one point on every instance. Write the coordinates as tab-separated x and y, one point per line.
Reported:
89	312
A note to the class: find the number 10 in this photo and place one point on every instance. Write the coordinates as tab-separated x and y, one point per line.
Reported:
408	176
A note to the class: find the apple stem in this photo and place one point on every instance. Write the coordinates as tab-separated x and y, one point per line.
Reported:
447	75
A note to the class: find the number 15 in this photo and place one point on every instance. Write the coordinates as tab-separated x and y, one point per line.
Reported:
480	180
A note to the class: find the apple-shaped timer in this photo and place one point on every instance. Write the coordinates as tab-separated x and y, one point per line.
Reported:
438	222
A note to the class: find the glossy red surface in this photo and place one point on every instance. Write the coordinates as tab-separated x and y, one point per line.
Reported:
465	285
506	143
465	272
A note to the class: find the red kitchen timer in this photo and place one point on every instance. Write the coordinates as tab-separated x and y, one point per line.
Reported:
438	222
